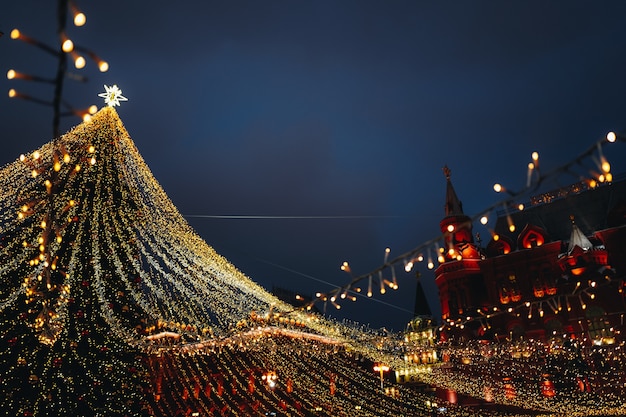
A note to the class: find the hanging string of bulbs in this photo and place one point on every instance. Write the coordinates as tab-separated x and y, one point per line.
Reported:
385	276
66	49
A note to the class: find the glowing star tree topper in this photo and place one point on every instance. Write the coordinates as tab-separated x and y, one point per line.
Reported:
112	96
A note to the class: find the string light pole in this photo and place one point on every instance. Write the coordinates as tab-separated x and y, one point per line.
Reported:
381	369
66	47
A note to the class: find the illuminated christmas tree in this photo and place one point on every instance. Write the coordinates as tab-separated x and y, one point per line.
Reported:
103	284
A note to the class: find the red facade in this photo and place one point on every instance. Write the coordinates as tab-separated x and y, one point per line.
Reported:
558	273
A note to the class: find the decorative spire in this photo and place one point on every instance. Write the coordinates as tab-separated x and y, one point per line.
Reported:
453	206
577	238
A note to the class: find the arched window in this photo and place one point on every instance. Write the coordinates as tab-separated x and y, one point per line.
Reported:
508	290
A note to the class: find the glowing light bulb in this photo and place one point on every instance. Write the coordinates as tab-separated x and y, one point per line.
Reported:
67	46
11	74
606	167
79	62
80	19
450	228
497	188
103	66
520	207
535	156
93	109
512	228
484	220
611	137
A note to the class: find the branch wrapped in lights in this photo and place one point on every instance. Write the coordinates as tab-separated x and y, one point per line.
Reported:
66	47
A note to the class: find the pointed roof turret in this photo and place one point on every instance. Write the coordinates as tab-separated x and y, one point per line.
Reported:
422	309
453	206
578	238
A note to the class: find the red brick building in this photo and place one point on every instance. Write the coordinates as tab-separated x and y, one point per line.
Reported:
554	269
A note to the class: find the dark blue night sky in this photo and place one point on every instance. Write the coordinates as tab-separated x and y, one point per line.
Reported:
334	108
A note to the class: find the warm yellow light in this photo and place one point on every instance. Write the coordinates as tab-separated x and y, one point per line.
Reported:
57	166
11	74
67	46
93	109
86	117
512	228
450	228
431	265
12	93
531	166
484	220
611	137
79	62
80	19
91	149
15	34
592	183
520	207
609	177
36	155
497	188
606	167
535	156
496	237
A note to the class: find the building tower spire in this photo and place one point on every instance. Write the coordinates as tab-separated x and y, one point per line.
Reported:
456	226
